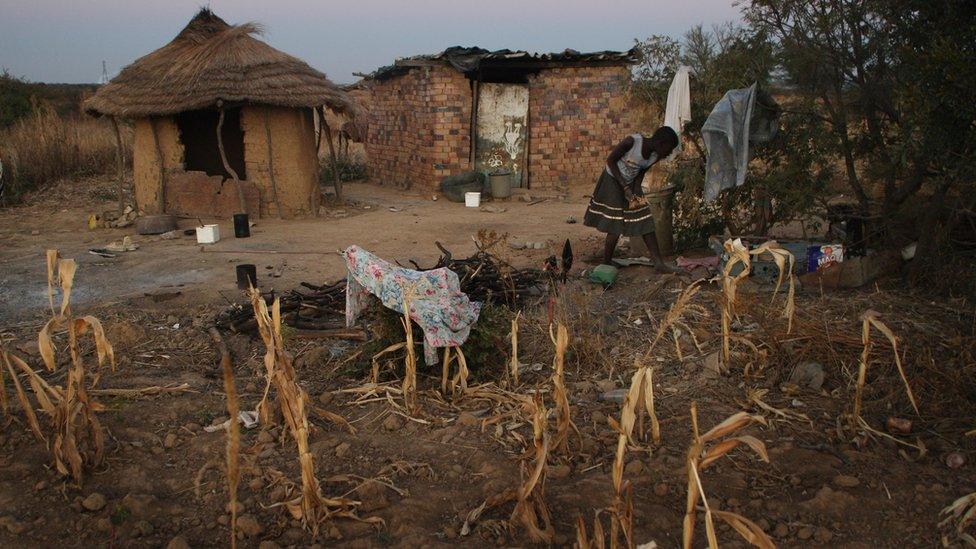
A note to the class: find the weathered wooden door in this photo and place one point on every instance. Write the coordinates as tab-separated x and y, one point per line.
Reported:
501	136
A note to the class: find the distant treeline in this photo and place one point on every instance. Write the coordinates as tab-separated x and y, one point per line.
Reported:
18	97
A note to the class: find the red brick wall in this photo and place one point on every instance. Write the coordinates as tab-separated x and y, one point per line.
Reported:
418	127
576	115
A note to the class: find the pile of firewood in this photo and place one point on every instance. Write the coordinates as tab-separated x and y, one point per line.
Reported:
319	311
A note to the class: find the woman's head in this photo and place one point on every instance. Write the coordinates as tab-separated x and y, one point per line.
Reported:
664	140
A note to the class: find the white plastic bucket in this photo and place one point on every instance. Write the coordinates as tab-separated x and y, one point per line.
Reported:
472	200
208	234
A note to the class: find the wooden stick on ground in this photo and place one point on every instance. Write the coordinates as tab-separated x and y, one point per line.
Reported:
223	158
332	156
233	431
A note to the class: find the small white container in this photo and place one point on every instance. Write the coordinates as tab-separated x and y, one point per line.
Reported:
472	200
208	234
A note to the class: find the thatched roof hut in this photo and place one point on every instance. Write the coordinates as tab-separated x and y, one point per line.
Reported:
265	101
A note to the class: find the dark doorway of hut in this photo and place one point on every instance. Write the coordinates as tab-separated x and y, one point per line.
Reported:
198	133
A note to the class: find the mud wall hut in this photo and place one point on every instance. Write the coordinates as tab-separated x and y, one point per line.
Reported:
549	119
266	104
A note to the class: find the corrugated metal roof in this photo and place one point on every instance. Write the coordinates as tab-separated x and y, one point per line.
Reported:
469	60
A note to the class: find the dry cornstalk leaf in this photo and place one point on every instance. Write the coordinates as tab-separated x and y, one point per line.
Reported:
700	456
755	396
78	437
959	515
530	509
564	422
52	269
750	531
66	276
44	343
24	401
514	363
309	505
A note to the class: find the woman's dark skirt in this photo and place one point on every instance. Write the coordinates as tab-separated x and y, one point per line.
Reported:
608	210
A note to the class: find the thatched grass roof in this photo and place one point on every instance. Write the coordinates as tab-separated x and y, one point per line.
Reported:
208	61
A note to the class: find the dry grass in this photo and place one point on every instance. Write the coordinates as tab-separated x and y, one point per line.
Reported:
44	147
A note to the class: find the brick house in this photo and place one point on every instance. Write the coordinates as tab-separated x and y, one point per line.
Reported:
549	119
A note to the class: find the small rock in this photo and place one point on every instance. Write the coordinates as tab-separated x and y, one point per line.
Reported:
517	245
94	502
713	364
373	497
660	489
225	520
846	481
293	535
615	396
13	526
265	437
251	387
899	425
170	440
193	428
823	535
40	485
559	471
633	468
143	528
605	385
268	544
179	542
781	530
805	533
468	419
392	423
326	397
342	449
599	418
955	460
763	524
249	525
809	375
256	484
103	524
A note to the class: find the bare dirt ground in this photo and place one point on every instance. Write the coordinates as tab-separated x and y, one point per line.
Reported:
161	482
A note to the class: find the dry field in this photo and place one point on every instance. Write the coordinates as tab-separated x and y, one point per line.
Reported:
659	410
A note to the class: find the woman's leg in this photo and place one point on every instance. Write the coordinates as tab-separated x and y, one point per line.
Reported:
650	240
608	248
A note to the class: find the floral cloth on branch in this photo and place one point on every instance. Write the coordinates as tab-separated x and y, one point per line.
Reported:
437	304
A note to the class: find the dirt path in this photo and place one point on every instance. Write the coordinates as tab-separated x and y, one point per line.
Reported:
305	247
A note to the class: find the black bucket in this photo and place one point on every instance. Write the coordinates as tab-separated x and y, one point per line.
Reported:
247	276
242	228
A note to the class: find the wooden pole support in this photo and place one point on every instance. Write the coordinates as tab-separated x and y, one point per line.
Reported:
223	158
